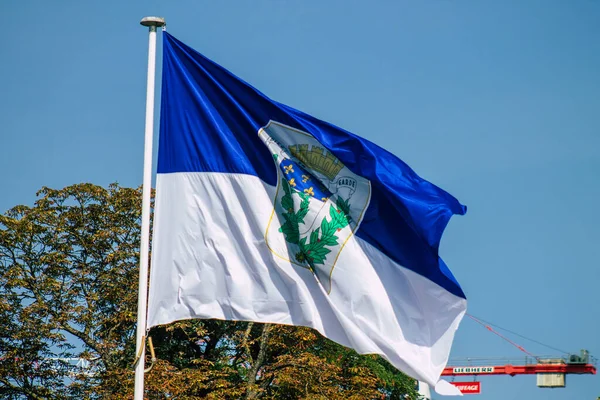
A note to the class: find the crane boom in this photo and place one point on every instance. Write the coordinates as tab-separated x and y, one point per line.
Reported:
512	370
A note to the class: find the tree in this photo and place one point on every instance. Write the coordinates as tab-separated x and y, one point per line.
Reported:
68	288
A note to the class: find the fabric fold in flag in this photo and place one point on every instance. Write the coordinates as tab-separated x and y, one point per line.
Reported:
264	213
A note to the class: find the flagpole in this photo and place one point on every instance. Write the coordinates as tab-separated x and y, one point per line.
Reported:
140	349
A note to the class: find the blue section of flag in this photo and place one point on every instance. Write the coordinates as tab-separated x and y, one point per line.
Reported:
210	121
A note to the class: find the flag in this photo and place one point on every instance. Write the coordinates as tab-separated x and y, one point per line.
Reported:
264	213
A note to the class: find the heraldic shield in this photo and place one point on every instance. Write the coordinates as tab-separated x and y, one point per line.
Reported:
319	202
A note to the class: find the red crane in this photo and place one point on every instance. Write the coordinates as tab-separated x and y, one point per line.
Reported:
550	371
572	364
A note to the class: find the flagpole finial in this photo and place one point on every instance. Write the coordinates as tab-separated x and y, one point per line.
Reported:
153	22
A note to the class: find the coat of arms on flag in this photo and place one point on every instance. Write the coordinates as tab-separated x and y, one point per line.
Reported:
318	205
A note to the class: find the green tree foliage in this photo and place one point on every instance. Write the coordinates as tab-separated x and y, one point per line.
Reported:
68	288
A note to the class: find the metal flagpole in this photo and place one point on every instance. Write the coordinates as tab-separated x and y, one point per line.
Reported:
140	349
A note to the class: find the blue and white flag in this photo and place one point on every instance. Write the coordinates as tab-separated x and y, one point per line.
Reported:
264	213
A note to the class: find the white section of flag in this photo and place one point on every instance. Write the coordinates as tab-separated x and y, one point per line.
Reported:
210	260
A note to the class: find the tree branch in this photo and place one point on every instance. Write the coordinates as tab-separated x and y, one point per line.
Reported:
85	339
251	392
30	393
245	341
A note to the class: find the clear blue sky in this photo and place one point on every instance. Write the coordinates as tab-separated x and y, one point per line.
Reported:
497	102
